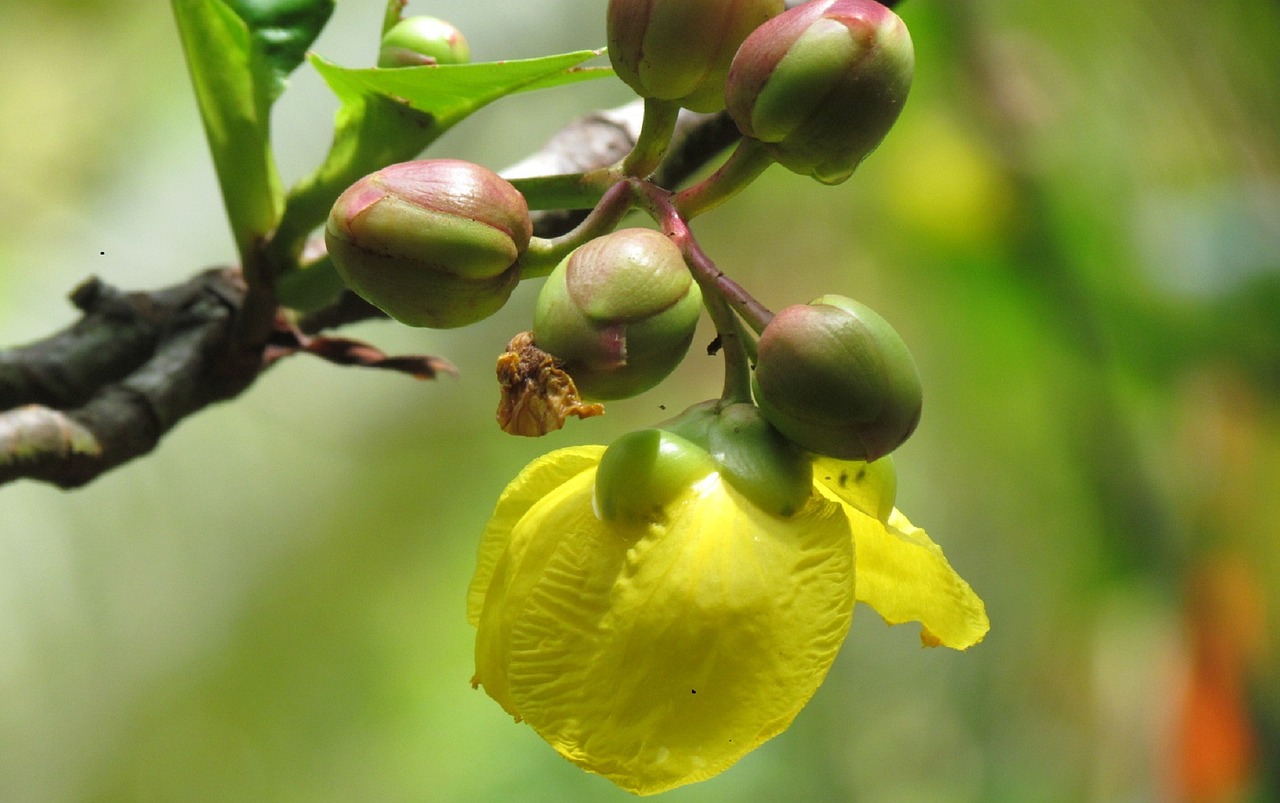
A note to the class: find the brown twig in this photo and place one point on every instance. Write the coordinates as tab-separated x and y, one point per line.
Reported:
106	389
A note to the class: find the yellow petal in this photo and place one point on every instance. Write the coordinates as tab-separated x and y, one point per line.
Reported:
535	481
519	568
659	654
906	578
869	487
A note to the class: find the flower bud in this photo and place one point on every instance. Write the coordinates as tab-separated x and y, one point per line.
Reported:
822	84
835	377
642	471
680	50
431	243
619	312
415	41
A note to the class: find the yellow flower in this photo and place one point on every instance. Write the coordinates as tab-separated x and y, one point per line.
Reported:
659	650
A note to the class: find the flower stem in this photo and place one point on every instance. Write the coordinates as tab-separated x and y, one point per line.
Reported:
737	366
542	255
720	295
743	166
566	190
655	135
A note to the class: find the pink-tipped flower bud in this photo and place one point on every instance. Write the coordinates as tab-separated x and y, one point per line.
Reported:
680	50
619	313
431	243
836	378
822	84
417	41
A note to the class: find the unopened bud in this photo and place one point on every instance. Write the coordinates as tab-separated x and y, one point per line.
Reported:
431	243
680	50
619	312
417	41
835	377
822	84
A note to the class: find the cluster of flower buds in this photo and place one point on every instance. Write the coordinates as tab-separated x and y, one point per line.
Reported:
680	51
629	600
820	84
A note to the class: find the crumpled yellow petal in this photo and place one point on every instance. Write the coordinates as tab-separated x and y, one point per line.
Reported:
530	485
659	654
906	578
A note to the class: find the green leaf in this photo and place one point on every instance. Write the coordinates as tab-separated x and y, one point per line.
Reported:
282	30
239	53
390	115
451	92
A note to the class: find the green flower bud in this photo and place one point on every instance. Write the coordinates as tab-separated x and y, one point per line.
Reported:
619	313
416	41
835	377
642	471
822	84
680	50
431	243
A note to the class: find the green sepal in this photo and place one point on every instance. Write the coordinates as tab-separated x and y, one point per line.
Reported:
759	461
694	423
644	470
752	456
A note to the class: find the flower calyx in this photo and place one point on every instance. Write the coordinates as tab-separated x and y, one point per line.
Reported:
643	471
750	453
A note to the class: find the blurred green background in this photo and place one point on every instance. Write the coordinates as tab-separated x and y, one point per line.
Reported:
1076	226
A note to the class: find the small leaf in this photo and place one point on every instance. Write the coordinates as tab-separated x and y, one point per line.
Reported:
392	15
281	31
451	92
